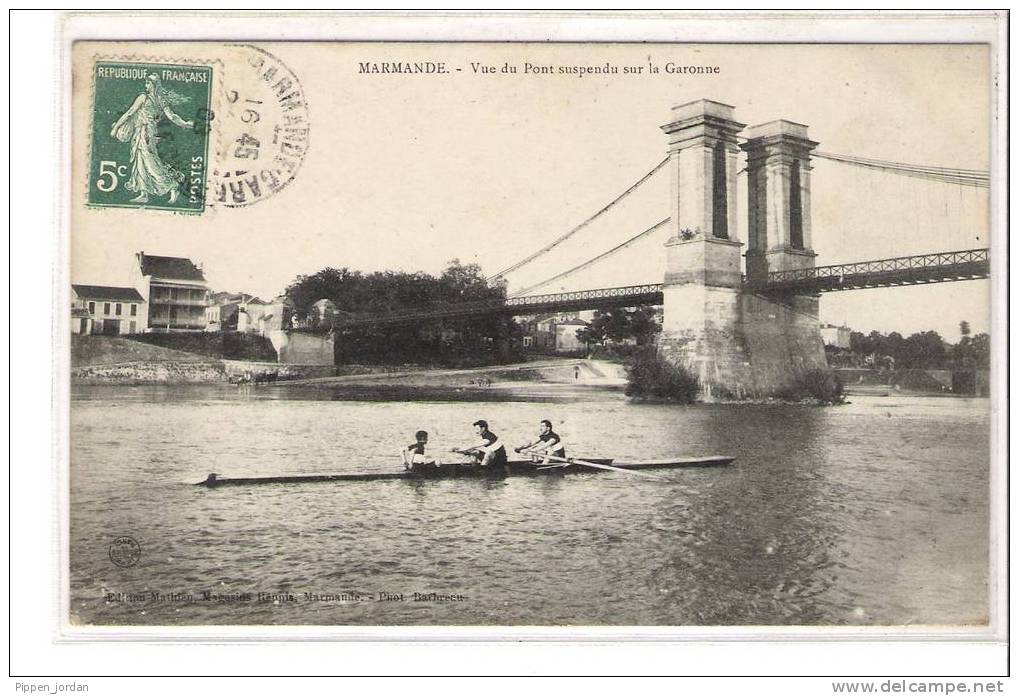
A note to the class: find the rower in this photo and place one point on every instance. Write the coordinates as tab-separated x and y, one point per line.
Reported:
489	451
414	455
548	443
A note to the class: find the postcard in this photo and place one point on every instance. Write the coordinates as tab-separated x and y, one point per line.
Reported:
451	334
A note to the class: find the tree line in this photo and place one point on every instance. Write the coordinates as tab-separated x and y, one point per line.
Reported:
479	340
923	350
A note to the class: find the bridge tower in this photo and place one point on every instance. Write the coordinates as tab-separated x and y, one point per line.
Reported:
737	342
778	182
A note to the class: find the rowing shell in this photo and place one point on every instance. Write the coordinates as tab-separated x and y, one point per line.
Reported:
518	467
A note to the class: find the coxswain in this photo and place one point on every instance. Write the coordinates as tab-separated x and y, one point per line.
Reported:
414	455
548	443
489	451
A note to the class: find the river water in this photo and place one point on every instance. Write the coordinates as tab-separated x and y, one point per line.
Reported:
872	513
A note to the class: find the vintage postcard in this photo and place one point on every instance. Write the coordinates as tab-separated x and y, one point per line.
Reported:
686	336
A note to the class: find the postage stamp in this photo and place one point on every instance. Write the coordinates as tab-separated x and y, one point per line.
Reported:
150	136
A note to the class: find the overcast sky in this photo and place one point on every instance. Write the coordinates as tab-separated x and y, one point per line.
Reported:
406	172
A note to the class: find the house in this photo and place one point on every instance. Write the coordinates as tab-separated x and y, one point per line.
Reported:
836	336
566	340
175	291
277	315
553	333
104	309
249	311
234	312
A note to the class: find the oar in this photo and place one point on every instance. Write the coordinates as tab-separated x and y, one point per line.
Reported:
595	465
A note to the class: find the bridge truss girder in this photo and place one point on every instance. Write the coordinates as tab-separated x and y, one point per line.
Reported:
922	269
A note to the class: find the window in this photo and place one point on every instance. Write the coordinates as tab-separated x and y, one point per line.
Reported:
91	307
134	311
795	208
106	308
719	198
118	309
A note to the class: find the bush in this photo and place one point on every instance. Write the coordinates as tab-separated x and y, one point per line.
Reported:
650	376
822	385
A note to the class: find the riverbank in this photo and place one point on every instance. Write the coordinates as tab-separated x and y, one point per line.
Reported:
191	371
114	361
571	371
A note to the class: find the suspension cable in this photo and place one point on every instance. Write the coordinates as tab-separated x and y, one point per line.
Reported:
585	223
964	177
589	262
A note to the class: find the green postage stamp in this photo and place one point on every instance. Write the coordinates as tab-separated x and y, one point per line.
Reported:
150	136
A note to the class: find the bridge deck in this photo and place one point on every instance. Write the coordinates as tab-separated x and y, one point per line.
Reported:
904	270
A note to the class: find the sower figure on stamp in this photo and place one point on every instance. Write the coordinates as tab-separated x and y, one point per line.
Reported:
149	174
490	451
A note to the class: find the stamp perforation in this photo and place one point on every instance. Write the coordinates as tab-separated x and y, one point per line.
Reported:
213	142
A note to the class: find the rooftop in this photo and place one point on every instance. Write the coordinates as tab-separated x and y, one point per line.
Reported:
107	292
169	267
235	298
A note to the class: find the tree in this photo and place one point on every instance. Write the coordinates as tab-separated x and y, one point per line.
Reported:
484	338
860	343
925	350
981	347
622	323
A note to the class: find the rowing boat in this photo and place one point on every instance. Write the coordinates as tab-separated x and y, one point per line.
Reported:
516	467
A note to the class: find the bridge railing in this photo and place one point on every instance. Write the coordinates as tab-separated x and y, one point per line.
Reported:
901	270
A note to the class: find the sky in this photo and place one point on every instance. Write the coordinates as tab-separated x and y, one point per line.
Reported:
406	172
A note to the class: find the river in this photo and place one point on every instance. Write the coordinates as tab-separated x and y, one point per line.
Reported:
871	513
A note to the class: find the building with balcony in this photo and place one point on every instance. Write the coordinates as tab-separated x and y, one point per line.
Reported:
103	309
175	292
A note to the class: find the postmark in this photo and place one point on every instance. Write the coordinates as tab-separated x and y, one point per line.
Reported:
150	136
265	130
125	551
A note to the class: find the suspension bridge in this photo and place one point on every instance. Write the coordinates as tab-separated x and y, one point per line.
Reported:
748	327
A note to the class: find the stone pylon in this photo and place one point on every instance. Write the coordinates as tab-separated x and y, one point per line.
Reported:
778	182
738	344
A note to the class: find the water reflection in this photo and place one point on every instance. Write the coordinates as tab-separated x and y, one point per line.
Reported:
874	513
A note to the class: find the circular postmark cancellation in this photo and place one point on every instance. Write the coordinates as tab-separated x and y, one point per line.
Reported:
125	551
264	127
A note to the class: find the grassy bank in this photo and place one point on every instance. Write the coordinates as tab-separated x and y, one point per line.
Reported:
112	350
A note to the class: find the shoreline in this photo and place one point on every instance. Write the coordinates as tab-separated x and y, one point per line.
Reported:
550	378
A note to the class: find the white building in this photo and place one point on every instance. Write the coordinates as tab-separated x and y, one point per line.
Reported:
103	309
836	336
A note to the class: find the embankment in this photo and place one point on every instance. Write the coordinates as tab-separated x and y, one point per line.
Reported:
98	360
565	371
194	372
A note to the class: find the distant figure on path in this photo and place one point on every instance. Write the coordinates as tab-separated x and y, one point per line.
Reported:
576	372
